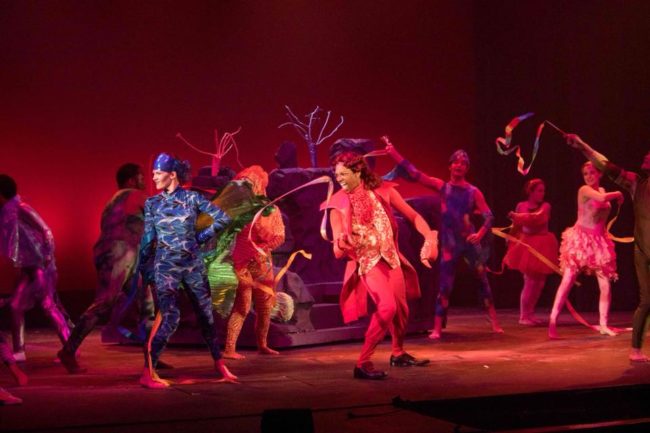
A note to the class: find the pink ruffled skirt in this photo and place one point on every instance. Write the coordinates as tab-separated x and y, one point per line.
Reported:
589	251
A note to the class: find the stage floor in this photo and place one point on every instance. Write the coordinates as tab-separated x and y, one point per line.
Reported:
470	361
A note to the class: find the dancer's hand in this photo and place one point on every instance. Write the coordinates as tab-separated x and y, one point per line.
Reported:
620	198
473	239
390	149
575	141
429	249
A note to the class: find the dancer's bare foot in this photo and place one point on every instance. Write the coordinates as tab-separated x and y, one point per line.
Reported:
497	329
552	332
232	355
435	335
637	356
266	350
152	380
226	375
529	321
19	376
604	330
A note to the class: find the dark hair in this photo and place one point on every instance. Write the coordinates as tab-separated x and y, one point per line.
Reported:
126	172
357	164
530	186
8	188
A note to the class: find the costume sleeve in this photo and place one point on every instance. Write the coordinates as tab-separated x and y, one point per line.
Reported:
34	220
219	217
149	234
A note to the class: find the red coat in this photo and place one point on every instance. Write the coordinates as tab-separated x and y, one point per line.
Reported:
354	294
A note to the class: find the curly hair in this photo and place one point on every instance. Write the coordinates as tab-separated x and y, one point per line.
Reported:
355	162
257	177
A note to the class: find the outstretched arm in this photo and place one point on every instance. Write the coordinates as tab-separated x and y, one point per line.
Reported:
424	179
623	178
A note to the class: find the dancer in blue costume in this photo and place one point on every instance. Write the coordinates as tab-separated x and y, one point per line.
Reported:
169	222
458	238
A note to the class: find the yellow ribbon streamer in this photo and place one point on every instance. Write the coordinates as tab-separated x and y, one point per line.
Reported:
500	232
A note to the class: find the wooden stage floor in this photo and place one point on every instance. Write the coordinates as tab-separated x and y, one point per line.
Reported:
470	362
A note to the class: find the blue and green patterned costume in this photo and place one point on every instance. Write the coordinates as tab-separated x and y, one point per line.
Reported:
169	222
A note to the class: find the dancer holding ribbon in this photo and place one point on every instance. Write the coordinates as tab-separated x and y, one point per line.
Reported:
586	247
530	226
365	232
639	188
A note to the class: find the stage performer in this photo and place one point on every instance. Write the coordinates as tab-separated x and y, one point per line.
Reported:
530	226
28	242
639	189
587	247
365	232
115	255
254	269
169	221
458	237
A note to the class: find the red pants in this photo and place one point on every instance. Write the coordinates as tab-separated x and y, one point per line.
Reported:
387	289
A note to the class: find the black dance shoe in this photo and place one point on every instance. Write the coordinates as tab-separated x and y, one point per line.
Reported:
367	371
406	360
69	361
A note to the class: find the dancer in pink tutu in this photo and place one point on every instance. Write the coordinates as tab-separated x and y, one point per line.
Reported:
586	247
530	226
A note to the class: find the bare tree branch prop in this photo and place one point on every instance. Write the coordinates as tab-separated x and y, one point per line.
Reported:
305	129
222	147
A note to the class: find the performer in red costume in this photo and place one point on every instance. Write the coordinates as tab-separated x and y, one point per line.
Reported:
365	232
254	269
530	226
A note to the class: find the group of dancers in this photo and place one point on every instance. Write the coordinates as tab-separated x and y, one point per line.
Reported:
216	250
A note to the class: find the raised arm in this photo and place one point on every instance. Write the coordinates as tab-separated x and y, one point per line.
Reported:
426	180
625	179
